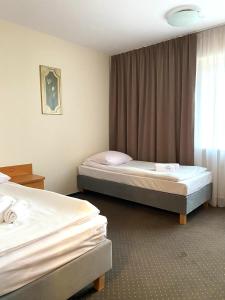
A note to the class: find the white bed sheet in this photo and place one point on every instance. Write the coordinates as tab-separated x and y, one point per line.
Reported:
43	214
185	187
28	263
148	169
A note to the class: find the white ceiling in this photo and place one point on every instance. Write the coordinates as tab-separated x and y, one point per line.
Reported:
111	26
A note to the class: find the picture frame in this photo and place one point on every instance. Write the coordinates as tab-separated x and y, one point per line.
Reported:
50	81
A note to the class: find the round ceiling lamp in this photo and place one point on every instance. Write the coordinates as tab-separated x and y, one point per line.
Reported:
184	16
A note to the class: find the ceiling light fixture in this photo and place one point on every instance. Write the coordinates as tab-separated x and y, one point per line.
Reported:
184	16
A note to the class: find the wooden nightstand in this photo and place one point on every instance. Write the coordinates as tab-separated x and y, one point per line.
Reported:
23	174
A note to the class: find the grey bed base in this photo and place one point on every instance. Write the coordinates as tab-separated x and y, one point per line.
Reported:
65	281
182	205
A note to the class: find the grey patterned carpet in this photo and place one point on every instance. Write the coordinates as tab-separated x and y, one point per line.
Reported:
155	258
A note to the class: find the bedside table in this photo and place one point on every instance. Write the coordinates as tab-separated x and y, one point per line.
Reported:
23	174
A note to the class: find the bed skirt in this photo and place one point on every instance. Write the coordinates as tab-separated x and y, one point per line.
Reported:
171	202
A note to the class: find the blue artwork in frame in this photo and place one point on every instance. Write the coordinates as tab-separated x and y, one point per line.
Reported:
50	90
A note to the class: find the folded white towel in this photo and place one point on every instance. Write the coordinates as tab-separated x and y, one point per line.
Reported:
166	167
10	215
4	178
6	203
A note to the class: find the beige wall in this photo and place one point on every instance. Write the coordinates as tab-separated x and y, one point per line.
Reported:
54	144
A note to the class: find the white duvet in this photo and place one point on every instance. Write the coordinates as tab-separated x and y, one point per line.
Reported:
147	169
44	213
24	265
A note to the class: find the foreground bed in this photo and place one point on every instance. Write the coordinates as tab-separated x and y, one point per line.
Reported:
56	247
65	281
129	181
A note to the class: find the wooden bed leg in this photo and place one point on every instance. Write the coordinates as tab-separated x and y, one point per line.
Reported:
206	204
183	219
99	283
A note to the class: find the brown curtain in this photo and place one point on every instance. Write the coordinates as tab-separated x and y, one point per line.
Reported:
152	101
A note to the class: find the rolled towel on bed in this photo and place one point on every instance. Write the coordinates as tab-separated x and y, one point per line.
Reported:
10	215
6	203
166	167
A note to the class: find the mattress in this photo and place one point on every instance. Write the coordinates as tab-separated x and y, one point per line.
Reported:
50	231
148	169
185	187
26	264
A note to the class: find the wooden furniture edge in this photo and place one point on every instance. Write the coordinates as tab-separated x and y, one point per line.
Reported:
206	204
17	170
30	178
23	174
183	219
99	283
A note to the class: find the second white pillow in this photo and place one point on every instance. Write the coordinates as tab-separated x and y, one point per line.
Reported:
110	158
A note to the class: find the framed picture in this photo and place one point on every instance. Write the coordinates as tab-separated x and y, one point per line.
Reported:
50	90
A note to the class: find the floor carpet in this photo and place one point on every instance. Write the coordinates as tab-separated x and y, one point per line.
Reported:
156	258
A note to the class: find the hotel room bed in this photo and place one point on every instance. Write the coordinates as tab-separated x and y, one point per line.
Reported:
136	181
55	249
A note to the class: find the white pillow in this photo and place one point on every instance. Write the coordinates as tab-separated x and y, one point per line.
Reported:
4	178
109	158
